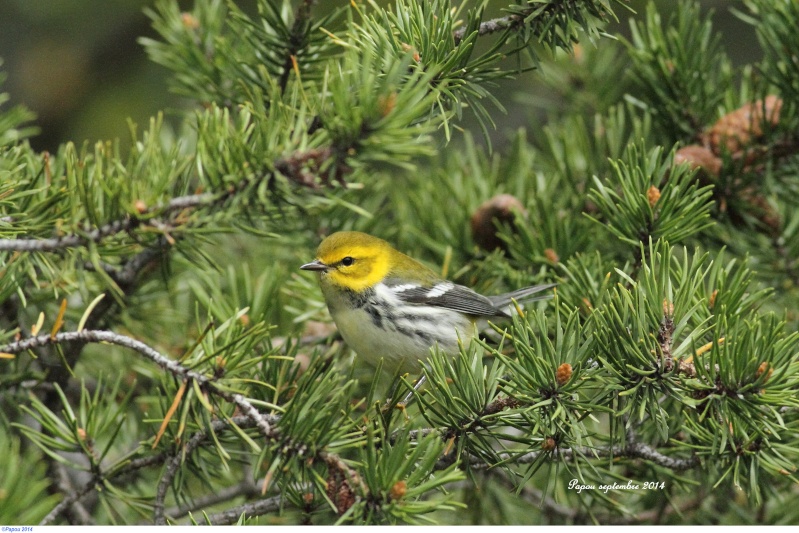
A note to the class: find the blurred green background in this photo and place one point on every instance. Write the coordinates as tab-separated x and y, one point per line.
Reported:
77	64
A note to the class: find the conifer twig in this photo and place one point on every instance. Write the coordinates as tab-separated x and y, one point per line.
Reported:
250	509
76	509
514	21
70	241
633	450
297	33
98	478
293	166
263	422
97	235
175	368
247	488
491	26
173	465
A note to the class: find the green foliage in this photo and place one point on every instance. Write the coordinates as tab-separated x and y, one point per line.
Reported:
779	44
681	66
641	209
281	36
398	475
560	24
23	489
164	360
375	109
424	31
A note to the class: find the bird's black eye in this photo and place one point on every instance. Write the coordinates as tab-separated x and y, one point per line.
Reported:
347	261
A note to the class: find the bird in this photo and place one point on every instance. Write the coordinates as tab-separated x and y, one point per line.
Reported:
386	305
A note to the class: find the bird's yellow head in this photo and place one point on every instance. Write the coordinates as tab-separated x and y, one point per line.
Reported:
353	260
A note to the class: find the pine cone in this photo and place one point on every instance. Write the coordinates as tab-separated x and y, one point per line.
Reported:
734	131
698	156
340	492
503	208
398	490
563	374
652	195
766	369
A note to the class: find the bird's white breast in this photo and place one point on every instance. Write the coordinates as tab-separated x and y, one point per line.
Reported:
399	333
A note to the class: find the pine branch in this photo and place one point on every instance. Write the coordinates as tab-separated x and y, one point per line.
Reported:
470	426
633	450
76	511
264	423
174	464
639	450
296	38
96	236
544	17
126	275
176	369
509	22
251	509
293	167
246	488
74	496
336	464
70	241
175	460
126	278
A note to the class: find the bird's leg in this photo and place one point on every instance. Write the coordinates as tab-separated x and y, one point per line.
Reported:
416	386
392	402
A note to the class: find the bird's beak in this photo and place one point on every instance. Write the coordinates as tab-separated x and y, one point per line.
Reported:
315	265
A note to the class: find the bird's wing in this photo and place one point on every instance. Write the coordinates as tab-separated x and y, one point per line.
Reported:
447	295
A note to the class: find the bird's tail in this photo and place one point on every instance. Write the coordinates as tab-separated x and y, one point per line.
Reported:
521	295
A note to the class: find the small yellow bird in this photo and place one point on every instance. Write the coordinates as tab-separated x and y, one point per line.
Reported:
388	305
